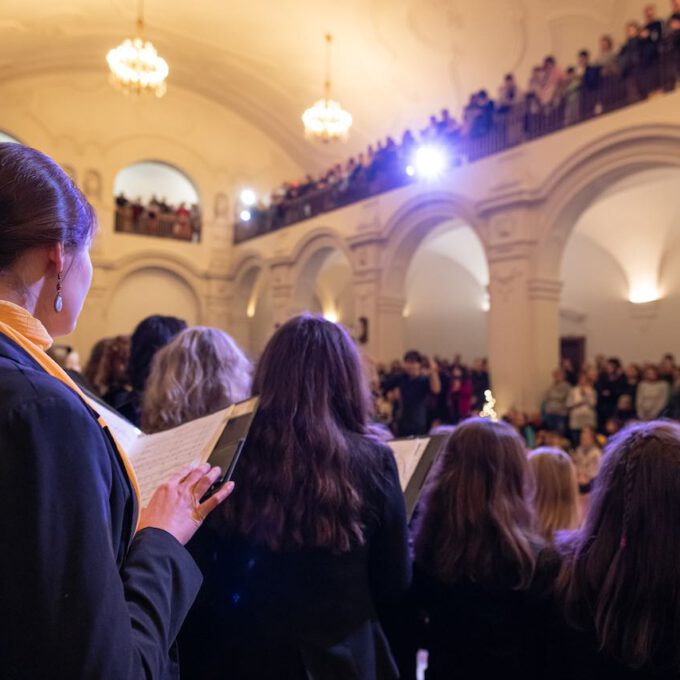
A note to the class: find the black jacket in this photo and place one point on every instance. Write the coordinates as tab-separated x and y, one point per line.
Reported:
79	596
306	613
482	632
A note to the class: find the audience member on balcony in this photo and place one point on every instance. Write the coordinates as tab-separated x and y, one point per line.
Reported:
587	458
633	375
630	60
607	60
317	538
652	395
480	571
572	88
620	584
589	75
554	492
555	409
651	35
551	83
508	95
200	371
582	403
668	369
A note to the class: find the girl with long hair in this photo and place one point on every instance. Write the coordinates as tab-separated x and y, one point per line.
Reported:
199	372
479	571
620	584
555	492
317	537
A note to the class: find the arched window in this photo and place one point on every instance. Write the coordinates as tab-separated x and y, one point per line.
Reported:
157	199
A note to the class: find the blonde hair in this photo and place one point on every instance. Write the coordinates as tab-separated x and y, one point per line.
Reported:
555	492
201	371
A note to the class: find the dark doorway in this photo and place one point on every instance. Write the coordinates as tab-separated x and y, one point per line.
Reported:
574	349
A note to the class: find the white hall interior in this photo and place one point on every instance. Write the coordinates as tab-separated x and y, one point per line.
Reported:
576	234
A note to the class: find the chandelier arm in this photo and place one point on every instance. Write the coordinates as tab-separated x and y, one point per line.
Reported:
327	83
140	18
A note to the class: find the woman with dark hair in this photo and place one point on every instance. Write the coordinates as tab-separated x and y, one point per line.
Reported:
620	583
316	539
479	571
89	587
151	334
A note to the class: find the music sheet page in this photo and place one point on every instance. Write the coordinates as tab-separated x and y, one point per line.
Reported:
407	453
156	457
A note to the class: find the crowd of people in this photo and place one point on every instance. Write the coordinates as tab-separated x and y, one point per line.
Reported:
646	61
157	217
308	566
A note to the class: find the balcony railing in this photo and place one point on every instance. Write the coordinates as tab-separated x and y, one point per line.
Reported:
523	122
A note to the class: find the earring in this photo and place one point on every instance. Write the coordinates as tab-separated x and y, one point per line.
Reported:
58	300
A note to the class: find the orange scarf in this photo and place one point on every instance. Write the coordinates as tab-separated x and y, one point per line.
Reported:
28	332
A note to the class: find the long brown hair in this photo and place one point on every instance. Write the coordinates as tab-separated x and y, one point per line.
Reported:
476	522
620	574
298	479
555	491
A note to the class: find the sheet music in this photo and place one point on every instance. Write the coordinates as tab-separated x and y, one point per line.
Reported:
244	407
125	433
407	453
156	457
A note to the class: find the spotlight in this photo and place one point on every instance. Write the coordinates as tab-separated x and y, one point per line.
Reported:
430	162
410	170
248	197
245	215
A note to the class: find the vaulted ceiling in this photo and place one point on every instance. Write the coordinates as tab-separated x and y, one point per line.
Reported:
394	61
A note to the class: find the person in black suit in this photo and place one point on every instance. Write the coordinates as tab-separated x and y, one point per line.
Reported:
87	590
617	605
481	574
315	540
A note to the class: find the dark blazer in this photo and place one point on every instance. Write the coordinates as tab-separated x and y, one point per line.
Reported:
481	632
79	596
306	613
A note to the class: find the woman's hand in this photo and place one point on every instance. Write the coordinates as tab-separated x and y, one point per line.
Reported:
175	506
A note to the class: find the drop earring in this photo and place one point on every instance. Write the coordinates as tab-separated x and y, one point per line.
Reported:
58	300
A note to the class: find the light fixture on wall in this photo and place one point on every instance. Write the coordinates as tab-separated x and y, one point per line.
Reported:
643	293
326	121
135	64
331	315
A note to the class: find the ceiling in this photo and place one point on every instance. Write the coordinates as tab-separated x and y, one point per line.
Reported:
395	61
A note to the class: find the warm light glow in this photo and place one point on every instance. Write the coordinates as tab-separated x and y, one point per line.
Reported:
136	67
327	121
430	162
410	170
245	215
488	410
486	302
644	293
250	311
331	315
248	197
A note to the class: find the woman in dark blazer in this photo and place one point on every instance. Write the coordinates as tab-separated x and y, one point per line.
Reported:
316	539
87	588
481	577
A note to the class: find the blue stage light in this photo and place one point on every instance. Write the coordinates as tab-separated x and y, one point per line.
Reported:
430	162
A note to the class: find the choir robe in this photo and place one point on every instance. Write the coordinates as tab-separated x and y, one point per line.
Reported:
81	596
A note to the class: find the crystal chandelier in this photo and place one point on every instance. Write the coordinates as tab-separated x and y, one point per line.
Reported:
326	120
135	64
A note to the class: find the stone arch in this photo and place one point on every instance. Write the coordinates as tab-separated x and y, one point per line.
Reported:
587	174
308	259
411	224
166	270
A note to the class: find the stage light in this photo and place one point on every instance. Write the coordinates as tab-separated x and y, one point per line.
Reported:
245	215
410	170
248	197
644	293
430	162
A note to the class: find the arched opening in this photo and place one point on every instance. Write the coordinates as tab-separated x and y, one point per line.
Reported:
252	320
621	269
324	286
164	292
157	199
445	313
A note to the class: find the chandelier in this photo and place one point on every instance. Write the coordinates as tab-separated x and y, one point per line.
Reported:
326	121
135	64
